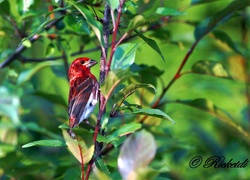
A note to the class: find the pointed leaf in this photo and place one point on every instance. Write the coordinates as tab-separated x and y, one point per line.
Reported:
210	68
151	43
137	152
95	25
26	75
124	56
75	145
164	11
137	21
49	143
113	79
209	24
155	113
128	90
223	37
124	130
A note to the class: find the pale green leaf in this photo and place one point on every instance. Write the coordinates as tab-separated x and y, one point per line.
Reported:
47	142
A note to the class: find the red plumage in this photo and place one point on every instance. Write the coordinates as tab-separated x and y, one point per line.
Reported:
83	94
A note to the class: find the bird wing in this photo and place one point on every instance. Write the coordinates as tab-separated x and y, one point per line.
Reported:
79	96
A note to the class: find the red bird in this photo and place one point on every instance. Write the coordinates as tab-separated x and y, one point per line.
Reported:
83	94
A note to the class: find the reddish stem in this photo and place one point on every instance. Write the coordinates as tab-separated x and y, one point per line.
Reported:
176	76
82	161
113	44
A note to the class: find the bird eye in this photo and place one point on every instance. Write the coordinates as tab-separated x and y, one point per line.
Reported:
82	62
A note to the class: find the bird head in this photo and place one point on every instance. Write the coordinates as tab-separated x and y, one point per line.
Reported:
80	67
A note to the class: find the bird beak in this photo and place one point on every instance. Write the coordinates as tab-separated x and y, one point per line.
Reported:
91	63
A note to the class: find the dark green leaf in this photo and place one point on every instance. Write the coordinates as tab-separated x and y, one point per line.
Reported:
4	7
155	113
209	24
137	21
164	11
124	56
223	37
152	44
195	2
137	152
210	68
51	97
95	25
50	143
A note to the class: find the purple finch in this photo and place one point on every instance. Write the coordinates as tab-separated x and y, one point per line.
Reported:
83	94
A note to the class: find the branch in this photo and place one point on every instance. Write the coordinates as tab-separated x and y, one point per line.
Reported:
22	48
176	76
103	72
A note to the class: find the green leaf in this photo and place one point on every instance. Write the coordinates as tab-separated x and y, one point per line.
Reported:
50	143
50	49
113	79
124	130
137	21
95	25
4	7
128	90
164	11
151	43
51	97
137	152
38	30
27	74
154	112
26	43
209	24
78	148
113	4
9	105
124	56
223	37
210	68
196	2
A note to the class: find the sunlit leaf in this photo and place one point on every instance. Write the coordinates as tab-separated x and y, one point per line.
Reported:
210	68
102	169
124	56
9	105
209	24
113	4
95	25
124	130
152	44
137	21
113	79
137	152
27	74
153	112
78	148
47	142
26	43
50	49
164	11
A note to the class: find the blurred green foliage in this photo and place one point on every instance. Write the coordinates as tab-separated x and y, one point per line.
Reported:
209	101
